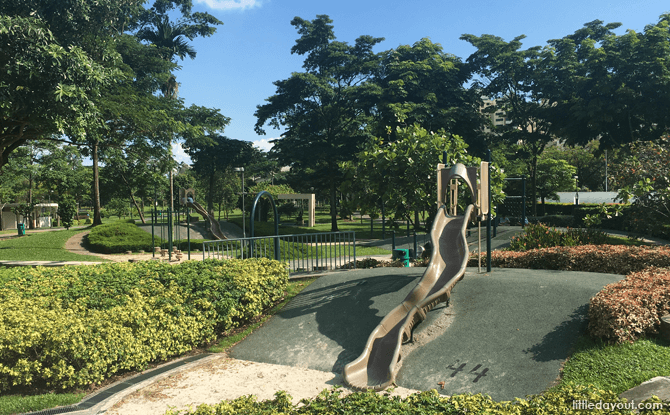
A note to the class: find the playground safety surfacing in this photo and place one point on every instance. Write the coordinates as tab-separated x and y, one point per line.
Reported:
506	332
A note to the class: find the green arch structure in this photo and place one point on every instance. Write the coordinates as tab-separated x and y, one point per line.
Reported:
276	218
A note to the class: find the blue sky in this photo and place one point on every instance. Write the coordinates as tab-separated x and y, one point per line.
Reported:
235	68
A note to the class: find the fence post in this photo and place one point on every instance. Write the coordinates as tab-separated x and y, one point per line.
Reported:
523	202
488	219
354	233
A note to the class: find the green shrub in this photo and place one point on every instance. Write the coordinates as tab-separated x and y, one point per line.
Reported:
587	236
559	401
119	237
536	236
73	326
561	221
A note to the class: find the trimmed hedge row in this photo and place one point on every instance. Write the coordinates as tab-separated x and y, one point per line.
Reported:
429	402
74	326
609	259
631	308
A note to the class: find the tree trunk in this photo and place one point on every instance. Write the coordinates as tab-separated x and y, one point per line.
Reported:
132	198
210	193
533	181
333	206
137	206
97	218
171	190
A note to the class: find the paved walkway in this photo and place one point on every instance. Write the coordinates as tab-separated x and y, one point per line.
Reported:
506	334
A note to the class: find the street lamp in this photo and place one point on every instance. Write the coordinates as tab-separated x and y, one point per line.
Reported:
576	190
244	232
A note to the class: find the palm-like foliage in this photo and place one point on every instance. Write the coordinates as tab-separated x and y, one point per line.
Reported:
171	41
169	38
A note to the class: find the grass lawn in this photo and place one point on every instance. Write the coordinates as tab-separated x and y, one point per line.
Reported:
622	240
362	229
42	246
14	404
617	367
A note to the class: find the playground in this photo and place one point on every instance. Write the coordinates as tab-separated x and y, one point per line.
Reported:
505	333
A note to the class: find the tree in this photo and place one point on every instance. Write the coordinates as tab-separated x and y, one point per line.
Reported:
325	109
112	97
401	174
13	181
46	87
213	162
170	39
423	84
553	175
644	179
608	87
513	77
62	172
587	159
67	208
118	207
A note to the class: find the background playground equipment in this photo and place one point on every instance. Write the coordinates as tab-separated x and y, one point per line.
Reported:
310	197
301	253
187	198
168	223
513	208
376	368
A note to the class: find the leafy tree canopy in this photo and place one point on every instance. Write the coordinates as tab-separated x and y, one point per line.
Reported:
325	109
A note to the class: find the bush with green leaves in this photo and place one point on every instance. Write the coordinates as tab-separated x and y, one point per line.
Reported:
537	236
74	326
559	401
561	221
67	208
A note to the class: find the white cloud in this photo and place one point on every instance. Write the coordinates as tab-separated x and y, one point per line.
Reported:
230	4
264	144
179	154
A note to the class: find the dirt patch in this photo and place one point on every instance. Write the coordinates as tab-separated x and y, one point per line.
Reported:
221	377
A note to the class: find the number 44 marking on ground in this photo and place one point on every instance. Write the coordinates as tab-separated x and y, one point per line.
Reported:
460	368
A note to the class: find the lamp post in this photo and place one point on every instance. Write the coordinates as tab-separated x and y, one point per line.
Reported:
576	190
244	232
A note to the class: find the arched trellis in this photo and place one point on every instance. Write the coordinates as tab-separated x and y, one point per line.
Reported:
276	219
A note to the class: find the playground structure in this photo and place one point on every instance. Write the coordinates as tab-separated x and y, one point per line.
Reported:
376	368
311	202
186	198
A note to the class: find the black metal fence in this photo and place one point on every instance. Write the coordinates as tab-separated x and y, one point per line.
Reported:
304	252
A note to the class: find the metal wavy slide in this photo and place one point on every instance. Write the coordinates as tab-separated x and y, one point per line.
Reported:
213	223
376	367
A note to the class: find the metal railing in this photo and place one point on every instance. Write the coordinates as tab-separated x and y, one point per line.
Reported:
304	253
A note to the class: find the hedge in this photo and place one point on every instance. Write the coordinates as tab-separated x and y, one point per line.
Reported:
608	259
331	401
74	326
631	308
